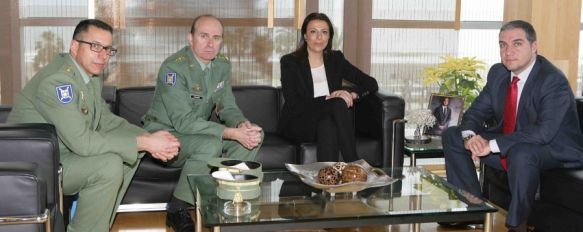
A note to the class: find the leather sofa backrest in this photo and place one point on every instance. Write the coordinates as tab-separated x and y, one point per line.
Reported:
133	102
260	104
108	93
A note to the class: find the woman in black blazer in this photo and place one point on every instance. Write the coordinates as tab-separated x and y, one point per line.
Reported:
316	106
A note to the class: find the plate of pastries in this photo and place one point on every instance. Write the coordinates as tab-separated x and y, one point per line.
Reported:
336	177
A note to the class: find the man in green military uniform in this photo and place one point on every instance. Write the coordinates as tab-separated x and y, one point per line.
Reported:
192	84
98	150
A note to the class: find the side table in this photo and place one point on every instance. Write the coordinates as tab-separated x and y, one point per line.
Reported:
433	149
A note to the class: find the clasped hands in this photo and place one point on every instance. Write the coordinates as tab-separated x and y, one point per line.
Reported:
161	144
348	97
478	146
246	133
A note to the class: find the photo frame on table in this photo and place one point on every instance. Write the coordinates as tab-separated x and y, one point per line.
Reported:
447	111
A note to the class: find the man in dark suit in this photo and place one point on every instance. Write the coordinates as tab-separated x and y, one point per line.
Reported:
536	125
442	115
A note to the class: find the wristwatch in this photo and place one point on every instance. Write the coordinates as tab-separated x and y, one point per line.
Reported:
468	138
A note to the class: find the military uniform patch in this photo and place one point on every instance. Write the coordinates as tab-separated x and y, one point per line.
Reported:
220	86
64	93
196	88
171	78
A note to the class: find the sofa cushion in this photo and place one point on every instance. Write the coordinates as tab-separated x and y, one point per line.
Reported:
563	187
151	168
276	151
152	183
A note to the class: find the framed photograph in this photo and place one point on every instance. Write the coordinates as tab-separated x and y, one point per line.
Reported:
447	111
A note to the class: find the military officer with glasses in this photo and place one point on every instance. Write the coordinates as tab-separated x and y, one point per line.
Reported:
193	84
99	151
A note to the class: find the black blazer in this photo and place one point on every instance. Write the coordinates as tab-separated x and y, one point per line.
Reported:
546	113
298	86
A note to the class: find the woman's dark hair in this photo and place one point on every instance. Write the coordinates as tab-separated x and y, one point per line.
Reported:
83	26
302	51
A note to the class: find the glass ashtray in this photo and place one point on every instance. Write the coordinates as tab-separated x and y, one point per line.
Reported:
237	209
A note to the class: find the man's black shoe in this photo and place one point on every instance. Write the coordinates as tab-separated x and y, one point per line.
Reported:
474	224
180	221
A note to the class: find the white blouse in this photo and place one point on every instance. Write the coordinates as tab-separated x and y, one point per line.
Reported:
320	82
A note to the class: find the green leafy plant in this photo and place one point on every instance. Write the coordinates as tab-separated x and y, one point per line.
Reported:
457	77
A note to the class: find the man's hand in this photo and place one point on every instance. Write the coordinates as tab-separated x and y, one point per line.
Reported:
246	133
161	144
478	146
345	95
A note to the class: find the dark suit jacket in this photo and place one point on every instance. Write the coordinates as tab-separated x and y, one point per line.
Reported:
298	87
441	118
546	112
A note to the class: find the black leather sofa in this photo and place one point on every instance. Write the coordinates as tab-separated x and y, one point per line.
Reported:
559	204
154	183
30	198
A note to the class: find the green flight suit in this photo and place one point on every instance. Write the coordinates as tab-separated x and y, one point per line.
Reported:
184	100
98	150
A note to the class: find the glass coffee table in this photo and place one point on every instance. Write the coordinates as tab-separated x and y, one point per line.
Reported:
418	196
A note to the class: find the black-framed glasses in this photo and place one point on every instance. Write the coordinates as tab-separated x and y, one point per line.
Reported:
98	47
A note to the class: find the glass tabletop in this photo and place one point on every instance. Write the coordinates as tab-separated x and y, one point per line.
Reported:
433	146
285	198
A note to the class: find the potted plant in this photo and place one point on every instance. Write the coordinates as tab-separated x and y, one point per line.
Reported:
456	77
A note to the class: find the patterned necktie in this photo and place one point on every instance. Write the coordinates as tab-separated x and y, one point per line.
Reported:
509	123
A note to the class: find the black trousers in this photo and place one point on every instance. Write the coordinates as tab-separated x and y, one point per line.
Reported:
525	163
329	124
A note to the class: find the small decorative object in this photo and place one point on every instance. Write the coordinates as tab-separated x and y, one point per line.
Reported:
447	111
421	119
339	166
353	173
237	207
329	176
457	77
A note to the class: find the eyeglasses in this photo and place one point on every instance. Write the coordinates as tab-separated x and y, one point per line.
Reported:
98	47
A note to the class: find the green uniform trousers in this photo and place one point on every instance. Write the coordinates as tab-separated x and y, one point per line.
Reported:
196	151
101	182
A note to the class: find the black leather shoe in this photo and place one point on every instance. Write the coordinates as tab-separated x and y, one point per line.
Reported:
180	221
474	224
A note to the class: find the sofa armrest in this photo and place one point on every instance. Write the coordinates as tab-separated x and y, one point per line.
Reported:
579	105
23	195
4	111
23	189
374	117
33	142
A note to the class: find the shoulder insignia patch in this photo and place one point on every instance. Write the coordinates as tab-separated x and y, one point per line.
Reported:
64	93
180	59
170	78
220	86
221	56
